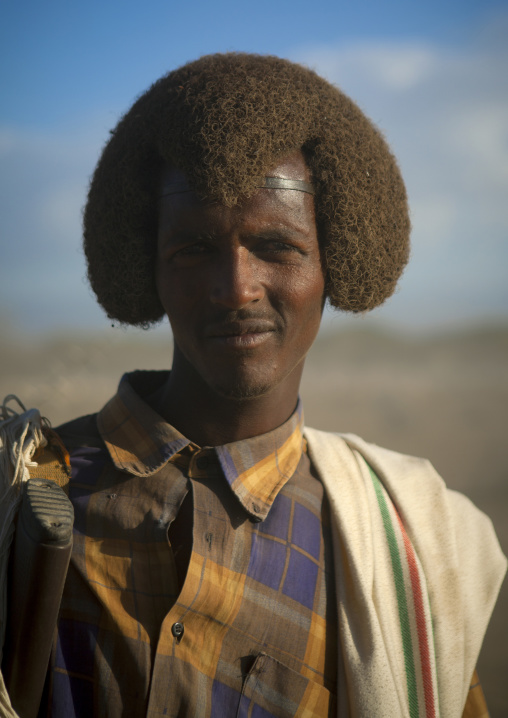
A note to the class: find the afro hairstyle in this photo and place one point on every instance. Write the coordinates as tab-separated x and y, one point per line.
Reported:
224	120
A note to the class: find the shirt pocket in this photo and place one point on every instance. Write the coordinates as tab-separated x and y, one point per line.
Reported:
272	690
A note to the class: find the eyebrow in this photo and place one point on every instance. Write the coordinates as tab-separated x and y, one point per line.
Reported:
277	234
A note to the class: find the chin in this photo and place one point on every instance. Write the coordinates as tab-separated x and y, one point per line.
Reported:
241	388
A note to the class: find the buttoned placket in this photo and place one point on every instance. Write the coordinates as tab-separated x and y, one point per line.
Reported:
178	629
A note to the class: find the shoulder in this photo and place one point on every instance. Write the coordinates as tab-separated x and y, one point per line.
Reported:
412	483
324	445
437	519
87	453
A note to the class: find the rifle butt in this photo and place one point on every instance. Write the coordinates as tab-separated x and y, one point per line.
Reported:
38	567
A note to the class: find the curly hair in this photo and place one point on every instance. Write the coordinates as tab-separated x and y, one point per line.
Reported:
224	120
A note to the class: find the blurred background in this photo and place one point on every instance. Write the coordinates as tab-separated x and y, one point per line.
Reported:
427	373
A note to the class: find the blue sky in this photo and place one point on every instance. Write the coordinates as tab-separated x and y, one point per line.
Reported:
433	76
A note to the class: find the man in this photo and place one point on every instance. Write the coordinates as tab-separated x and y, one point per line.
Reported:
228	561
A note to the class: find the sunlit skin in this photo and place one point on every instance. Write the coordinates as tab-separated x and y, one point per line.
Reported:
243	289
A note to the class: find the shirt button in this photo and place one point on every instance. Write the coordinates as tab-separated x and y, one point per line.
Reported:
202	462
177	630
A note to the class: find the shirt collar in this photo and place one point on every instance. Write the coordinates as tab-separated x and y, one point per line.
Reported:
141	442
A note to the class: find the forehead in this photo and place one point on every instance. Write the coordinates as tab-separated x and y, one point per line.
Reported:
291	166
291	207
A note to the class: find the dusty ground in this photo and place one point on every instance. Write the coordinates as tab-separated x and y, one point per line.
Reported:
444	397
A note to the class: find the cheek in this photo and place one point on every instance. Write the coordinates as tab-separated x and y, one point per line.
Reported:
173	299
307	305
174	292
160	281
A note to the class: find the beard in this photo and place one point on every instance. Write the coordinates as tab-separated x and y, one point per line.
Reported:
241	390
242	384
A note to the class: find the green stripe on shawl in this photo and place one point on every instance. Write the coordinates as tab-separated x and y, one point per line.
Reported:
401	597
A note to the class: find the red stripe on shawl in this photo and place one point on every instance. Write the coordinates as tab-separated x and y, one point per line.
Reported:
420	623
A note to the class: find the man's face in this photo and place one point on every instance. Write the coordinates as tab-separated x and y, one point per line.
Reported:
242	286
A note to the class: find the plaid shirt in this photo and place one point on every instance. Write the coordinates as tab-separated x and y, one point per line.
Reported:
227	609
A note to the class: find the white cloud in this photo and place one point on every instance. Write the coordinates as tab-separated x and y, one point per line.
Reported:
481	136
434	218
395	67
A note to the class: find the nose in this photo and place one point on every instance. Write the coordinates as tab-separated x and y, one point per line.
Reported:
236	281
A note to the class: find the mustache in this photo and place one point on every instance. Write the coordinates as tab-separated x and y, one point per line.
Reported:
241	322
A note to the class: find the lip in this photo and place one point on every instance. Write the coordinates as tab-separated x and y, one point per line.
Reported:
242	341
239	327
245	333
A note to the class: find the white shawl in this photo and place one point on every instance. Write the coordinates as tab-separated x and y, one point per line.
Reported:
448	554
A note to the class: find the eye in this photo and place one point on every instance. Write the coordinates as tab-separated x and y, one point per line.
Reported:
277	247
189	249
193	250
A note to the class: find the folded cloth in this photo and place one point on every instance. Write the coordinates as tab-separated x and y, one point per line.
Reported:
417	567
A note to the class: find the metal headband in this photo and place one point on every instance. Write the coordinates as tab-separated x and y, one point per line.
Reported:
262	183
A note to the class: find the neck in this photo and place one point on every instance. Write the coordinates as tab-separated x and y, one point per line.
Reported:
210	419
